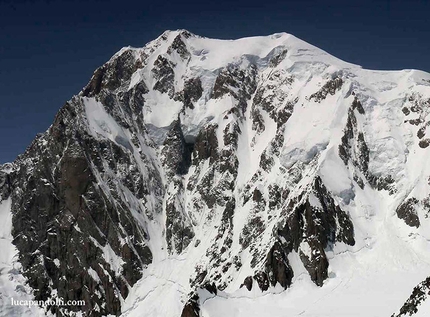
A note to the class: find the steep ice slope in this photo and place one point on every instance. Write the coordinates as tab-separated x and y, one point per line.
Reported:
232	178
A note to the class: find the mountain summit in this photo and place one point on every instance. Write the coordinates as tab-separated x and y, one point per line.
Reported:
201	177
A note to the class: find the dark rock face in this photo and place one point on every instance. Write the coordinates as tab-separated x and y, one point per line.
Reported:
165	76
63	220
316	264
262	280
353	137
272	99
206	146
345	146
113	74
95	85
354	149
278	267
179	230
176	152
278	58
406	211
240	83
317	227
191	308
419	294
406	111
356	104
179	46
309	230
424	143
75	229
329	87
417	106
247	283
5	182
192	92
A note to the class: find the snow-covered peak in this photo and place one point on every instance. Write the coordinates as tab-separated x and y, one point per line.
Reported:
214	53
193	167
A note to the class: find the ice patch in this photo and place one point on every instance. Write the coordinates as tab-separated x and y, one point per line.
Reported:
102	124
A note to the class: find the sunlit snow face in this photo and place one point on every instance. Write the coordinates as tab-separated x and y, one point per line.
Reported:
262	159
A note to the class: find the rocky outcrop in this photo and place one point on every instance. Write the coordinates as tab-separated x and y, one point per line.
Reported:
420	293
278	267
315	222
206	145
192	92
406	211
114	74
179	46
176	153
330	87
164	75
191	308
72	234
239	81
5	181
312	227
417	106
234	163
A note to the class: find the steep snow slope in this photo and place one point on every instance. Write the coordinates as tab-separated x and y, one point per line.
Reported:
371	277
231	178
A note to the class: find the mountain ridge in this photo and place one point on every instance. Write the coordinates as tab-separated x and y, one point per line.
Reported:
195	167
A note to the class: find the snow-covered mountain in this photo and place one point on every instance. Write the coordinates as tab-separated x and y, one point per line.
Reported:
201	177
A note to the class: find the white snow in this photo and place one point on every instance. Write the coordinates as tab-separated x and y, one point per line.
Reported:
94	275
160	110
372	278
115	261
102	124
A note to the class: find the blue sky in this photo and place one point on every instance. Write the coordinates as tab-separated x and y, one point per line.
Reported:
49	49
